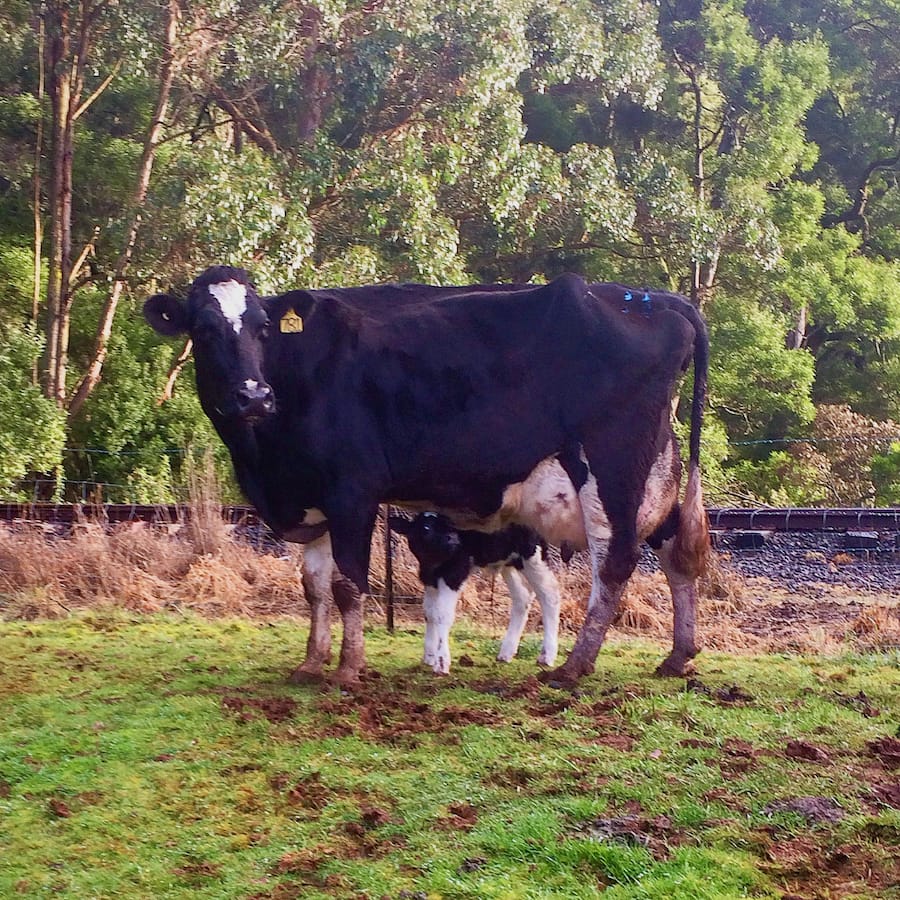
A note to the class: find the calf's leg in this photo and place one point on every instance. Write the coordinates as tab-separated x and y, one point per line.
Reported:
518	613
537	573
439	606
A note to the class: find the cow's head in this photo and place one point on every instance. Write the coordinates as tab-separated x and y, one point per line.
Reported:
228	324
432	538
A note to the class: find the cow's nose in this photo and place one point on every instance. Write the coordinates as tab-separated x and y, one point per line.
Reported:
255	400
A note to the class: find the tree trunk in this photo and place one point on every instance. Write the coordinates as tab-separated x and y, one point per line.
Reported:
167	70
37	190
56	20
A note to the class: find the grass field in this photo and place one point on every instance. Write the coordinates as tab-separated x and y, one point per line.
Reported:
165	756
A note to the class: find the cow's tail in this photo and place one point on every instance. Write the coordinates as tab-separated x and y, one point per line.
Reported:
691	548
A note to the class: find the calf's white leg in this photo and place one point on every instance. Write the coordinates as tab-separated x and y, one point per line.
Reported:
537	573
440	610
518	612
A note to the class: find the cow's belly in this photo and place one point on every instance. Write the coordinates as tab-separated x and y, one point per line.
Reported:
548	502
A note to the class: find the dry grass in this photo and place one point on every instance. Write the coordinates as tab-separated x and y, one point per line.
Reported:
200	566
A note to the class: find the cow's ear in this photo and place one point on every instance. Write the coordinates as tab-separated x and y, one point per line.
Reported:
400	524
166	314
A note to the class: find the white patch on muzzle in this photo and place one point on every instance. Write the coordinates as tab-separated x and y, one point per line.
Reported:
232	299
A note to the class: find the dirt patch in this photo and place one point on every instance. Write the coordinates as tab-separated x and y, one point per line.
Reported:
634	830
459	817
385	713
813	809
887	749
307	793
274	709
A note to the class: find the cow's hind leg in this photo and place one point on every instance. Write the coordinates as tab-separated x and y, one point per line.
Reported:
610	570
318	569
684	613
684	557
520	596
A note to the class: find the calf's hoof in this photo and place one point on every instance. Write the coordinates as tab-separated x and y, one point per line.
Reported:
441	666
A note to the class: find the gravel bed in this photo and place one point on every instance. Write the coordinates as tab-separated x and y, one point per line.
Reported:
821	558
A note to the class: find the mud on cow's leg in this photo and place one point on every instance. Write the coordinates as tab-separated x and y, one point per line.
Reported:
610	571
349	600
318	570
351	520
683	586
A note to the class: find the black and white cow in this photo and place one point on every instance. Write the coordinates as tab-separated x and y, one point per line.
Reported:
446	557
548	406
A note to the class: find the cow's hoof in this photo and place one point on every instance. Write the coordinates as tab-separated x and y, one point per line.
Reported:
505	657
675	668
307	675
562	679
346	679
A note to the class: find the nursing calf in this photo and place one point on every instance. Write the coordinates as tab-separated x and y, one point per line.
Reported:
446	557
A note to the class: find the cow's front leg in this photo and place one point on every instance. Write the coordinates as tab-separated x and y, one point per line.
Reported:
439	605
318	570
349	600
351	526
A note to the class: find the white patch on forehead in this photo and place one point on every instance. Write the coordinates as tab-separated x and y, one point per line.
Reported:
251	385
232	298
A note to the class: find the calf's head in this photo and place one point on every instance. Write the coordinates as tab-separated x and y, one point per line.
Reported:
432	538
228	324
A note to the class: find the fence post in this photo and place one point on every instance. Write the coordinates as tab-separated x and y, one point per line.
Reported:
389	570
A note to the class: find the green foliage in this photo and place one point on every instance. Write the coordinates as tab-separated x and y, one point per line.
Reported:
755	382
714	146
32	429
886	476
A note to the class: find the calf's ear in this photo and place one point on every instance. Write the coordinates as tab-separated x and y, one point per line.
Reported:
166	314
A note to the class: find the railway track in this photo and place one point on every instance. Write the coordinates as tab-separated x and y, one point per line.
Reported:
720	519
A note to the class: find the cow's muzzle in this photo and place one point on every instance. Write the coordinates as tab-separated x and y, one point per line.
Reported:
255	402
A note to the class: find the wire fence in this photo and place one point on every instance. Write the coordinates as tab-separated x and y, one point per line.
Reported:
89	489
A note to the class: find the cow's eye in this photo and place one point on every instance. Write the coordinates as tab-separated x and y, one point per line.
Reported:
264	331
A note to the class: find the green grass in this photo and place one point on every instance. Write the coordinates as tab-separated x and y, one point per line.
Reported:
167	757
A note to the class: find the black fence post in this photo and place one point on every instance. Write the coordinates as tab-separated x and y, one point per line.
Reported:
389	570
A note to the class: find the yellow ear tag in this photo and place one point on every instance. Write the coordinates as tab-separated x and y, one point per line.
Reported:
290	323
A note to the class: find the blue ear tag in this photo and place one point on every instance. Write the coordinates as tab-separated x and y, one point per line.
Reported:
628	298
647	303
